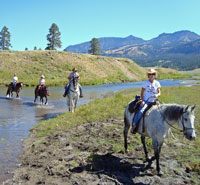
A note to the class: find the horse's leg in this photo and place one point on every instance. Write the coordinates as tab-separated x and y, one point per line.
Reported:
41	99
126	129
145	148
46	100
76	100
157	149
17	94
8	92
70	103
35	98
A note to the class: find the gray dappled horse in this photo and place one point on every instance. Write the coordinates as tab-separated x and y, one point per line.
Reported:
73	95
16	89
157	122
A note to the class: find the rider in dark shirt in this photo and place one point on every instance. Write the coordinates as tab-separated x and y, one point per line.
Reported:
73	74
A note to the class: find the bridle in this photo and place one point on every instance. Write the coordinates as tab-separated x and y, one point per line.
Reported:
182	122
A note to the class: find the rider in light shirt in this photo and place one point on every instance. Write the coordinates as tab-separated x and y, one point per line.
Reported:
73	74
42	81
149	94
15	80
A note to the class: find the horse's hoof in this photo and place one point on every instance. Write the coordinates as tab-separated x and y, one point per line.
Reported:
153	158
160	173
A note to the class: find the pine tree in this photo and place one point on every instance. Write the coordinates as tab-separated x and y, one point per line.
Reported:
5	39
54	38
95	47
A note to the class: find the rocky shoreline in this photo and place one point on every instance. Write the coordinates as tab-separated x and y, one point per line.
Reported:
93	154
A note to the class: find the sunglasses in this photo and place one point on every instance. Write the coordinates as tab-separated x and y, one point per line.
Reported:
152	74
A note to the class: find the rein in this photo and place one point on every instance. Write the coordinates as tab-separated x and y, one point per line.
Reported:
184	128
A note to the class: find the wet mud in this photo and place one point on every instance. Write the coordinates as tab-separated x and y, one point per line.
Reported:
93	154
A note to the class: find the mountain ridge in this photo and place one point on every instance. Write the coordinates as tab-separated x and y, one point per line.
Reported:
149	52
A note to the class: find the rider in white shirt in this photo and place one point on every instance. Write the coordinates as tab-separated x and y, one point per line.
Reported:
73	74
149	94
42	81
15	80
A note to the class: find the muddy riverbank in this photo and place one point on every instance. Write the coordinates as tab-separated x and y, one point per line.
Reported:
93	154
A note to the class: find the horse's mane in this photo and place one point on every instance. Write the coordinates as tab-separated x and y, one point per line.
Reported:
172	111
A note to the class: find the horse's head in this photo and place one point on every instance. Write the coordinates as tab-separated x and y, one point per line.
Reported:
187	122
21	85
75	82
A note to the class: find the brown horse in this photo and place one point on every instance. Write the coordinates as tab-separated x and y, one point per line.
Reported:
41	91
16	89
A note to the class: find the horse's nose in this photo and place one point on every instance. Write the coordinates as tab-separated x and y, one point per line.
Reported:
192	137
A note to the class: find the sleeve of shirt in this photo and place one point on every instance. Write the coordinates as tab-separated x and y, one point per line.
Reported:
158	84
144	85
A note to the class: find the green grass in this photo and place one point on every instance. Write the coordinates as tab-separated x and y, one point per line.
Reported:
174	76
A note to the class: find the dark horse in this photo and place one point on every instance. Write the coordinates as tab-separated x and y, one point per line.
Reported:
16	89
41	91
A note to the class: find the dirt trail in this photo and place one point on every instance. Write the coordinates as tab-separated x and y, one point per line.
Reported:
92	154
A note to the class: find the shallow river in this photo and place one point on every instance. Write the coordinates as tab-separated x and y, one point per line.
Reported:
17	116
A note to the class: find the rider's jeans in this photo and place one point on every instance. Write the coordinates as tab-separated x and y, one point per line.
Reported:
139	114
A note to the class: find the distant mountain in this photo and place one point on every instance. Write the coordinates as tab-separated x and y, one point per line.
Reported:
106	43
189	48
179	50
173	39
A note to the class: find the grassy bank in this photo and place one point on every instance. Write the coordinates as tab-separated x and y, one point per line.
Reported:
56	66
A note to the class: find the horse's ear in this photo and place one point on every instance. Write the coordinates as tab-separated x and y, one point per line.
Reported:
193	107
186	108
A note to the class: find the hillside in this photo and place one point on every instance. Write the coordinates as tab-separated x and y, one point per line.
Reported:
179	50
56	66
106	43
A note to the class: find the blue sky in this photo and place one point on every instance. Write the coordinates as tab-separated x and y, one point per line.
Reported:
29	21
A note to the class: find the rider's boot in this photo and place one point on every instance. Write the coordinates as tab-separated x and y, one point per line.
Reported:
66	90
65	94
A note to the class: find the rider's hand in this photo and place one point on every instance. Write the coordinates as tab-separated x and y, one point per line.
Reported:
155	96
142	103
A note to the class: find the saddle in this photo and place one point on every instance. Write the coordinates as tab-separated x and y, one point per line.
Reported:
134	105
143	116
